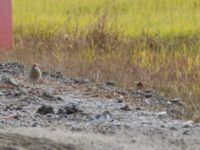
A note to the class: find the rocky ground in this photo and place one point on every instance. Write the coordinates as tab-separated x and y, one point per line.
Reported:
64	113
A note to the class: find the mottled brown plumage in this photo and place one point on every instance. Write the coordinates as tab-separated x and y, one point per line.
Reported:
35	73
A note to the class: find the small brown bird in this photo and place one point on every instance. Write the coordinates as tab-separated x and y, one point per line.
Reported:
35	73
140	86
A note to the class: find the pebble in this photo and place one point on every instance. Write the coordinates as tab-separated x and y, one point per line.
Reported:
147	95
9	81
188	124
175	100
45	109
138	108
110	83
120	99
173	128
126	107
71	109
186	132
163	113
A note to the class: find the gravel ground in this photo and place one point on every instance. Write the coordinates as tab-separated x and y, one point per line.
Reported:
64	113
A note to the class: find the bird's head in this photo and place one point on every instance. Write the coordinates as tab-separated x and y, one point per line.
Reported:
35	66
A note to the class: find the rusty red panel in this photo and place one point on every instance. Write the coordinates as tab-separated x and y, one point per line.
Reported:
5	24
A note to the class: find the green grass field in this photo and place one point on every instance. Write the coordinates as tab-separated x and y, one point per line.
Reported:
164	17
153	41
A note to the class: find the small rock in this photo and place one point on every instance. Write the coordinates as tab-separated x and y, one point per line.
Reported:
110	83
147	95
169	103
126	107
9	81
59	98
45	74
186	132
35	124
72	109
120	100
45	109
7	71
197	125
173	128
162	126
31	99
60	111
133	141
47	95
175	100
188	124
161	114
17	108
1	66
138	108
57	75
68	81
148	91
81	81
15	93
147	101
50	97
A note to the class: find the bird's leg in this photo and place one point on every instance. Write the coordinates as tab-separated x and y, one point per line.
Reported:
33	84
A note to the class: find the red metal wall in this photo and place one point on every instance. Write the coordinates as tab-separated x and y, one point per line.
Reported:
5	24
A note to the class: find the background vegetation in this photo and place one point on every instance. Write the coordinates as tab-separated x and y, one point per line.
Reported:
152	41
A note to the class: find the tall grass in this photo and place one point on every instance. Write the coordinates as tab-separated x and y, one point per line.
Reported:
166	17
152	41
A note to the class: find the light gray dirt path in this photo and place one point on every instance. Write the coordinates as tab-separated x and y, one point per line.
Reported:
139	138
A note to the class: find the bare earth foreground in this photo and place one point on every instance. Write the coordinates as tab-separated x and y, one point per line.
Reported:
62	113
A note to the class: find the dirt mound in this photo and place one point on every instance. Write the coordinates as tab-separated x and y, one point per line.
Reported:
10	141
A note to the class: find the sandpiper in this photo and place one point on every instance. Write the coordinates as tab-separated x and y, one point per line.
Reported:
35	73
